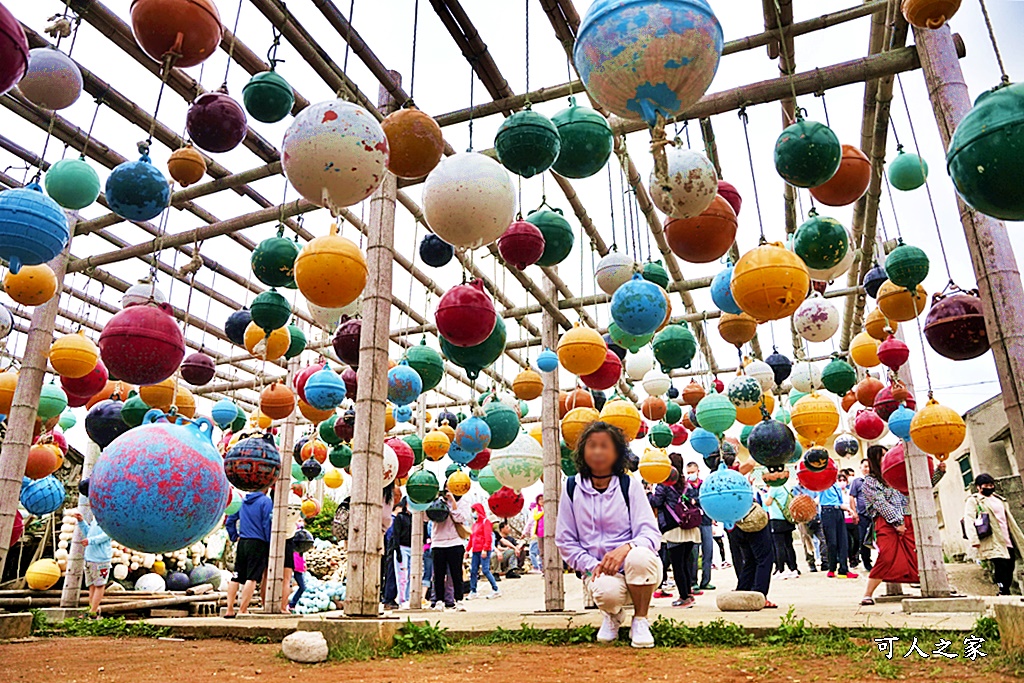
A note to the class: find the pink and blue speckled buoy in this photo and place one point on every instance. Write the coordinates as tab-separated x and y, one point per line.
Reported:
639	58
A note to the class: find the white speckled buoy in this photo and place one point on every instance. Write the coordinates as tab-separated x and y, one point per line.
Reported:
53	80
690	186
469	200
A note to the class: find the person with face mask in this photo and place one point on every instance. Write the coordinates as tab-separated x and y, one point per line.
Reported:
992	531
705	548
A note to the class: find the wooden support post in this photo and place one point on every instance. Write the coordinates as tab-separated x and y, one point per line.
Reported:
22	419
365	540
416	563
995	266
930	562
279	523
76	555
554	591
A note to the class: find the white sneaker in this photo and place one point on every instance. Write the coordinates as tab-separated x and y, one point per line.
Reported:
494	594
459	607
438	606
609	631
640	633
471	596
793	574
403	605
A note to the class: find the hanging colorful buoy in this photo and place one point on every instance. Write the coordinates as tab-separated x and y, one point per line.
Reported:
527	143
906	265
647	58
522	244
838	376
330	271
807	153
704	238
581	350
13	52
721	294
688	186
674	347
215	122
330	137
268	97
465	315
816	320
899	303
586	141
737	329
769	282
473	359
469	200
558	235
52	81
937	430
187	30
72	183
613	271
273	260
821	242
435	252
955	325
415	143
639	307
907	171
930	14
849	183
137	190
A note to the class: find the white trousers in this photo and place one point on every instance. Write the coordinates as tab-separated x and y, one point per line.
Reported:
610	592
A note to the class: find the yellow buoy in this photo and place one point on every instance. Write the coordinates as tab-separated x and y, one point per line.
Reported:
582	350
769	282
459	483
42	574
624	415
864	350
537	432
752	416
185	402
655	467
32	285
8	382
330	271
312	414
333	478
815	417
574	422
436	444
267	346
876	323
389	418
527	385
310	508
937	429
159	395
900	304
74	355
448	431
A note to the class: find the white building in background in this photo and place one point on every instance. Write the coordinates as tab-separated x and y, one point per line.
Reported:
986	448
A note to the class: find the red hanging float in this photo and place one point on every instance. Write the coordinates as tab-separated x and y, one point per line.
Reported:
346	340
893	353
868	425
505	502
406	456
607	376
894	468
465	315
522	244
142	344
889	399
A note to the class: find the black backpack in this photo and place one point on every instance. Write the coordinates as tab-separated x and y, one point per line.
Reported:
570	488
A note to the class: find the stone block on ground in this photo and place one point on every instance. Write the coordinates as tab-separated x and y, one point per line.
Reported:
943	605
15	625
1011	627
740	601
306	647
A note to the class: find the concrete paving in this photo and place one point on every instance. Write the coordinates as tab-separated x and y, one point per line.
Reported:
821	601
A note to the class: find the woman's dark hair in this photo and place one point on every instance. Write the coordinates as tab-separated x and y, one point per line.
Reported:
618	440
677	462
875	455
984	478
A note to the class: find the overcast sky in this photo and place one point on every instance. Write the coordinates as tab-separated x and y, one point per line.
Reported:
442	79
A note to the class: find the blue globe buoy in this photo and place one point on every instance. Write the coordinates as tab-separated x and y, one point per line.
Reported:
639	307
459	455
325	390
402	413
137	190
721	295
547	361
726	496
472	435
899	422
224	413
42	496
33	227
404	384
703	441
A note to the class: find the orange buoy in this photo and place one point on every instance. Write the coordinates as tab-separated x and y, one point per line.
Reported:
849	183
415	143
706	237
186	166
32	285
277	401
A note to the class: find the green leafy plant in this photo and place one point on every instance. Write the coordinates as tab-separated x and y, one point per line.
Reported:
412	639
987	628
790	630
320	526
107	627
38	621
671	633
571	635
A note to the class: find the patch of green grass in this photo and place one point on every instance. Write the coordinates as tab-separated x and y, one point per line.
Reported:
987	628
571	635
107	627
671	633
883	668
354	650
38	621
413	639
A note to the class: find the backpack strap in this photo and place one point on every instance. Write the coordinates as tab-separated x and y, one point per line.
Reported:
570	487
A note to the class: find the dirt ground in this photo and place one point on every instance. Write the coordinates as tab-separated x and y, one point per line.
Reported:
95	660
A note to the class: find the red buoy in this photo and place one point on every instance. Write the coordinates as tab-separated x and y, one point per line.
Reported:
522	244
465	315
142	344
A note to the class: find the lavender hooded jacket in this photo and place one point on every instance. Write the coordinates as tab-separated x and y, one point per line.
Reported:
598	522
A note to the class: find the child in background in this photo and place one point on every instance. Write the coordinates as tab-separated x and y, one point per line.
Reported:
299	574
481	541
98	554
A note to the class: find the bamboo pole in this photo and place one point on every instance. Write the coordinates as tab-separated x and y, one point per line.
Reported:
279	531
365	540
76	557
999	282
22	417
416	563
554	591
555	92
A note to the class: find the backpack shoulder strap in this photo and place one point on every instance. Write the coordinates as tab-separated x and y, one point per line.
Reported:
624	480
570	487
